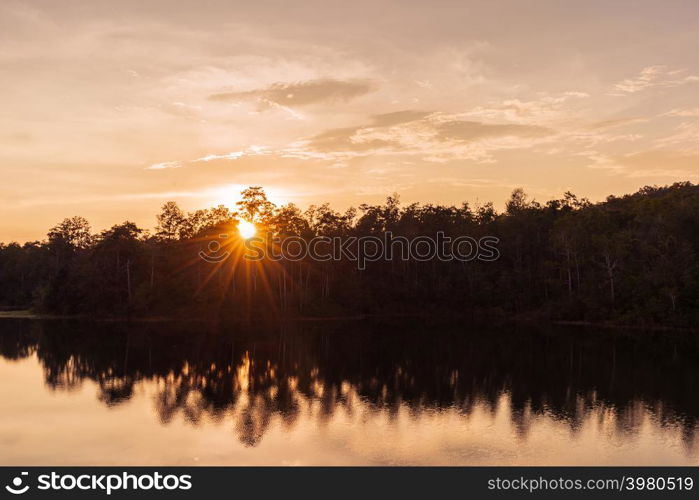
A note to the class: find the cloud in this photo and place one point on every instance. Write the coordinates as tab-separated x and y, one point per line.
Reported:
398	117
617	122
233	155
435	137
21	138
684	140
461	130
301	93
252	150
164	165
344	139
647	78
545	107
359	138
654	76
662	164
686	113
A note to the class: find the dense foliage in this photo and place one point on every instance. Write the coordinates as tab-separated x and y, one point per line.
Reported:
631	259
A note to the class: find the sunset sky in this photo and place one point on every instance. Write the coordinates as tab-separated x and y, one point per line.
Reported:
108	109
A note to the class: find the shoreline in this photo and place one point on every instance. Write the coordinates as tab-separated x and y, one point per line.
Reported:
30	315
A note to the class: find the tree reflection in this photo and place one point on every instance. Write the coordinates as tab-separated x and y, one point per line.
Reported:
201	373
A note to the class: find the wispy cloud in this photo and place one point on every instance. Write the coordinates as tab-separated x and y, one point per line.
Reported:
398	117
430	136
616	122
253	150
233	155
545	107
301	93
164	165
685	113
647	164
685	139
654	76
469	131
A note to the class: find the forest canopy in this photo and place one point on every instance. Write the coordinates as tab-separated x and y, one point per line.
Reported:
630	259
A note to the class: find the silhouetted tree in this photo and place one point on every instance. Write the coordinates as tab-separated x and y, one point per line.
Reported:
630	259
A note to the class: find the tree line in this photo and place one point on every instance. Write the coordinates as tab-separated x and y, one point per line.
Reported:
629	259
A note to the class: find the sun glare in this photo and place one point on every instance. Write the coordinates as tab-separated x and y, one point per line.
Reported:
246	229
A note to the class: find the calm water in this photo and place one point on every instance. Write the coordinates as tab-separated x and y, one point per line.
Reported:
343	393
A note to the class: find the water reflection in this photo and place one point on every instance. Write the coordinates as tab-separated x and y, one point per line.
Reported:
277	376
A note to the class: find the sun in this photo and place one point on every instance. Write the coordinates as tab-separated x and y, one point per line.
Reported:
246	229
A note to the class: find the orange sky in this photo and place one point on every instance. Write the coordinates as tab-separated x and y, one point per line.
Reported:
108	109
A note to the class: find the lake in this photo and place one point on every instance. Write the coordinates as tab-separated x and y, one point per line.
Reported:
384	392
